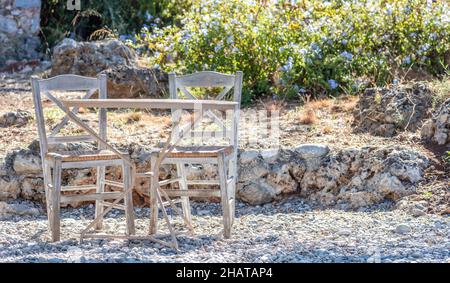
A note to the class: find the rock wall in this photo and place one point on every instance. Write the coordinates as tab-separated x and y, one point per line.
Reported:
19	29
346	178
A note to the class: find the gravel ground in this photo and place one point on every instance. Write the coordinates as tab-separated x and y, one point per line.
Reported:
287	231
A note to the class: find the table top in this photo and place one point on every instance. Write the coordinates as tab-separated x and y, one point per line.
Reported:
187	104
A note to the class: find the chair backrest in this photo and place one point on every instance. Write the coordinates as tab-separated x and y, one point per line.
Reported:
44	87
209	79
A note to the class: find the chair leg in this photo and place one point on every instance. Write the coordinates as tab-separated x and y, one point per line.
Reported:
55	221
232	198
153	201
100	189
222	170
128	199
181	172
47	172
232	189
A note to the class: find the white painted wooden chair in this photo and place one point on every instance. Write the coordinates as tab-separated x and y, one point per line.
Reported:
224	156
54	161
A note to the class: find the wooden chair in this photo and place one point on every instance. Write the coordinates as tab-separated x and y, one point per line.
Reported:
225	156
54	161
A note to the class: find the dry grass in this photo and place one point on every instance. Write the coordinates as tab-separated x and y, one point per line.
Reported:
133	117
346	104
321	104
327	129
308	117
138	118
314	109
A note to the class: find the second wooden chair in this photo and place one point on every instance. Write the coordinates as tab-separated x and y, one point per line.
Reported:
223	156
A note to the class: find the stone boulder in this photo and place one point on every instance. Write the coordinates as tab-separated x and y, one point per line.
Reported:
18	118
437	128
26	162
90	58
126	79
23	162
312	154
262	180
135	81
388	111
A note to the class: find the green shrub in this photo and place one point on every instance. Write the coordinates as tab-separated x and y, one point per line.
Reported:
312	46
100	18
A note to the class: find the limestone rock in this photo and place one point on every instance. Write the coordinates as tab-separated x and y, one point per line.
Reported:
9	187
388	111
89	58
281	180
252	167
269	155
256	193
26	162
311	151
126	79
134	81
437	128
18	118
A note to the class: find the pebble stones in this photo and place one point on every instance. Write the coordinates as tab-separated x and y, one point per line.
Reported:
285	231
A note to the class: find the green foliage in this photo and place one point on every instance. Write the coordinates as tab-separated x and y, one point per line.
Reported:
53	115
312	46
103	18
427	195
446	157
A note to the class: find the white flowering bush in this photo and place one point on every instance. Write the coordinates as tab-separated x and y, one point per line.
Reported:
294	47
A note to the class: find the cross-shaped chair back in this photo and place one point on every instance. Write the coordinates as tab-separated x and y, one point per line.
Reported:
66	83
208	79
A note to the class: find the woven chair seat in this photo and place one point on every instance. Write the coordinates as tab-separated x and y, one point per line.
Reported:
85	155
198	151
